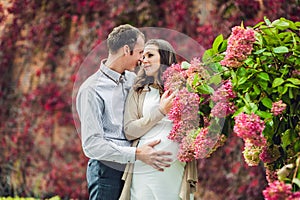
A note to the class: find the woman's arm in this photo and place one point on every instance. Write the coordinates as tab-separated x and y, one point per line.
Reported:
136	125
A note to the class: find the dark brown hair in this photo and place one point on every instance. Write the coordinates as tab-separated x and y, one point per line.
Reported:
167	58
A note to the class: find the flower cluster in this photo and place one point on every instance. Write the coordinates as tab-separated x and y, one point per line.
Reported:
196	70
251	153
222	97
249	128
269	154
207	142
186	151
280	190
184	114
278	107
240	45
174	78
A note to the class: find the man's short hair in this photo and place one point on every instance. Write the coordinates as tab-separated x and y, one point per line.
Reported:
123	35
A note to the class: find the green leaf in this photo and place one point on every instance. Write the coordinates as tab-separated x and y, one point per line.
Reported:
286	138
185	65
217	43
291	95
263	84
264	76
259	51
296	181
291	85
253	107
256	89
277	82
205	89
295	81
267	21
281	49
257	25
207	55
216	79
223	46
263	114
267	102
242	80
283	90
281	25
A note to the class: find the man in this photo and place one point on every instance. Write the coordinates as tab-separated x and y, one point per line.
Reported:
100	105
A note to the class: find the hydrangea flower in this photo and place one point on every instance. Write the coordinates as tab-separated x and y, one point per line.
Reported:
174	78
240	45
186	151
184	114
278	190
250	127
278	107
269	154
206	143
251	153
224	93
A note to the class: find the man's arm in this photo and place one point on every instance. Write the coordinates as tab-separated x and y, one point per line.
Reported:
90	108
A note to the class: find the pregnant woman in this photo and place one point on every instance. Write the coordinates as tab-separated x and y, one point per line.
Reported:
145	120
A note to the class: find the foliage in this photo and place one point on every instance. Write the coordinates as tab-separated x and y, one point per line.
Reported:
251	80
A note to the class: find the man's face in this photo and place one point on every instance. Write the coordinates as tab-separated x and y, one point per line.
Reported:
137	54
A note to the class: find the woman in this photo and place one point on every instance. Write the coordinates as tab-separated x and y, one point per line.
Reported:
145	119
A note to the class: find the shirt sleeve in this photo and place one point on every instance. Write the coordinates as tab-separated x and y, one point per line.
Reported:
136	125
90	108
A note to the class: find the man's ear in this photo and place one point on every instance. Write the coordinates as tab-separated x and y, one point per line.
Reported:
126	50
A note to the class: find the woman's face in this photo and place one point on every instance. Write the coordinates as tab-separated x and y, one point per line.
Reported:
151	60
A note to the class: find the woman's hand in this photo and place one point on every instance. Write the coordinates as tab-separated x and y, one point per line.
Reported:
166	101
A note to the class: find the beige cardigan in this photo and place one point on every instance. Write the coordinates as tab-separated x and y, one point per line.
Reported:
140	125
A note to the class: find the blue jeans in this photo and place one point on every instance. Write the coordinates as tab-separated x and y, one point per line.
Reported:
104	180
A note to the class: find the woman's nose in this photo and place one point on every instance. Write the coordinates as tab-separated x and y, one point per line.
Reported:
144	60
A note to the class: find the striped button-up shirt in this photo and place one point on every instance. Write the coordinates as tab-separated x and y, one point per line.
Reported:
100	106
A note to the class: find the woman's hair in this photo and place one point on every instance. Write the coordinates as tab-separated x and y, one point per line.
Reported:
167	58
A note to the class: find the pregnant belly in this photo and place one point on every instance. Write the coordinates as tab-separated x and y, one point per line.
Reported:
161	132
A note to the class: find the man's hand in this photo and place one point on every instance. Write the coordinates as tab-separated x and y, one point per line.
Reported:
156	159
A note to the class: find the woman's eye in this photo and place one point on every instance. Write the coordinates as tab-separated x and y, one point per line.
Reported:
150	55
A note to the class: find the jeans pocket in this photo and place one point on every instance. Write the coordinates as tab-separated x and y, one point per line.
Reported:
93	172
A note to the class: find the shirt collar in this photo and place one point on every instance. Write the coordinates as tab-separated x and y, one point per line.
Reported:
111	74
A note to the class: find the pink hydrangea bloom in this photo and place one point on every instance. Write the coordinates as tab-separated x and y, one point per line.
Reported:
296	73
186	149
224	93
174	78
269	155
250	127
278	190
196	67
278	107
204	144
251	153
271	175
240	45
223	109
184	114
294	196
